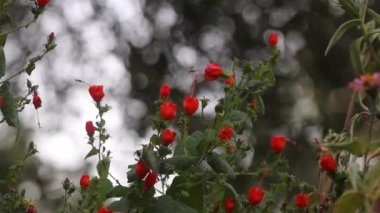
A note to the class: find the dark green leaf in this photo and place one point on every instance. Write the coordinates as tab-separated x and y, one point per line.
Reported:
92	152
340	32
355	54
180	162
237	116
355	147
166	204
188	191
120	205
103	167
2	62
151	159
374	15
349	7
220	165
8	108
363	9
231	192
349	202
118	191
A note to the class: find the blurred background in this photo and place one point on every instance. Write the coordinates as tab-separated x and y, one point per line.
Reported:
133	46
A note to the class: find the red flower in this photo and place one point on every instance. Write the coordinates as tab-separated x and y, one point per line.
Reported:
104	210
141	169
212	72
165	91
301	200
255	195
31	209
96	92
273	39
229	204
168	110
36	101
253	102
225	133
230	80
150	180
277	143
84	181
327	163
190	105
90	129
1	101
42	3
168	136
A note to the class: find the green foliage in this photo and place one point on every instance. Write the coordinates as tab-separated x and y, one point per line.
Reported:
9	109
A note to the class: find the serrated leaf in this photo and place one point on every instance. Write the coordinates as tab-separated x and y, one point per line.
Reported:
340	32
151	159
220	165
180	162
166	204
92	152
118	191
355	54
349	202
8	108
2	62
103	167
119	205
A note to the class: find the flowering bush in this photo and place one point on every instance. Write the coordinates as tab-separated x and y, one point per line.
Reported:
184	170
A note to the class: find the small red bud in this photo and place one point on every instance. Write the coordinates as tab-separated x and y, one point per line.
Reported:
90	129
36	101
165	91
42	3
190	105
168	136
150	180
301	200
141	169
96	92
225	133
84	181
273	39
229	205
255	195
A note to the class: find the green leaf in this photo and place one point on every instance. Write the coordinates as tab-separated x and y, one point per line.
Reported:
188	191
220	165
92	152
103	167
188	146
237	116
9	108
363	9
120	205
350	202
2	62
371	183
151	159
340	32
166	204
374	15
231	192
181	162
355	54
349	7
118	191
131	174
355	147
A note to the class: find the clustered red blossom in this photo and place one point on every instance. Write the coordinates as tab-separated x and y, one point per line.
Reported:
144	173
229	204
226	133
327	163
230	80
213	72
301	200
84	181
273	39
168	136
165	91
42	3
365	82
168	110
96	92
90	129
277	143
190	105
36	101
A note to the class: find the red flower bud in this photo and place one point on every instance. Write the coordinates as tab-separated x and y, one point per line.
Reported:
90	129
230	80
1	101
273	39
141	169
96	92
42	3
327	163
165	91
84	181
150	180
255	195
104	210
190	105
253	102
36	101
168	110
301	200
225	133
168	136
31	209
212	72
66	184
277	143
229	204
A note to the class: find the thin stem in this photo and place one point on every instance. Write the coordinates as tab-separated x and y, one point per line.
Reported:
19	27
117	181
370	133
